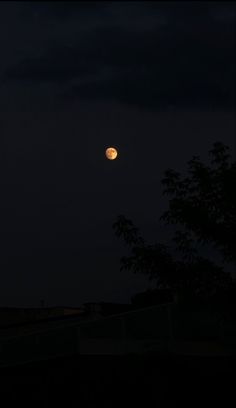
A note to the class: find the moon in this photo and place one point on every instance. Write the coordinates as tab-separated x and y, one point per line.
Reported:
111	153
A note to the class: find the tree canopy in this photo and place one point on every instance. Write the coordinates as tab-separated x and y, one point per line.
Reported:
202	207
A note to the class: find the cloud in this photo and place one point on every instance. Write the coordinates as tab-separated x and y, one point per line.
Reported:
62	10
187	58
58	65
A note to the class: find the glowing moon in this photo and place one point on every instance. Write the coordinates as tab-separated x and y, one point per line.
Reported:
111	153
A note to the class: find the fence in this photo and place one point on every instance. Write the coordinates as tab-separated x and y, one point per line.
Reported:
131	332
153	329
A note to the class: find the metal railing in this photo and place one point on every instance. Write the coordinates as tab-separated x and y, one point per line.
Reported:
152	329
130	332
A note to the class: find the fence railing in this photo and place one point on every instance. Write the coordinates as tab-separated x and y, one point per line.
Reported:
152	329
130	332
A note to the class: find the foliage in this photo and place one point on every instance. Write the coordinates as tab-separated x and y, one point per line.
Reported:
203	205
204	202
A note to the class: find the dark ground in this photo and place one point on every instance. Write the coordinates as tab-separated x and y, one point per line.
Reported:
146	381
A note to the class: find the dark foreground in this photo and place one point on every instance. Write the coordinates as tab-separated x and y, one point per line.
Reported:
147	381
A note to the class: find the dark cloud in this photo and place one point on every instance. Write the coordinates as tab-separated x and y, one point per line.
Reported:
188	61
177	11
58	65
62	10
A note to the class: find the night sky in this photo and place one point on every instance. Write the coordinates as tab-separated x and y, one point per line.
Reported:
155	80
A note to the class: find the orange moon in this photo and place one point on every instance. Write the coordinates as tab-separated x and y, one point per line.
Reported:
111	153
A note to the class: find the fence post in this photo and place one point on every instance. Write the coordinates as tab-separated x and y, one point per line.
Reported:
78	337
123	334
170	323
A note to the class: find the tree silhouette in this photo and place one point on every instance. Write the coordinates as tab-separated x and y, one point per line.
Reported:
202	207
204	202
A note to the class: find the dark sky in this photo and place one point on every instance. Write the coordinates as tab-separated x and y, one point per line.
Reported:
156	80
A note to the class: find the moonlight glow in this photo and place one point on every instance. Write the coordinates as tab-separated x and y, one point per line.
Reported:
111	153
